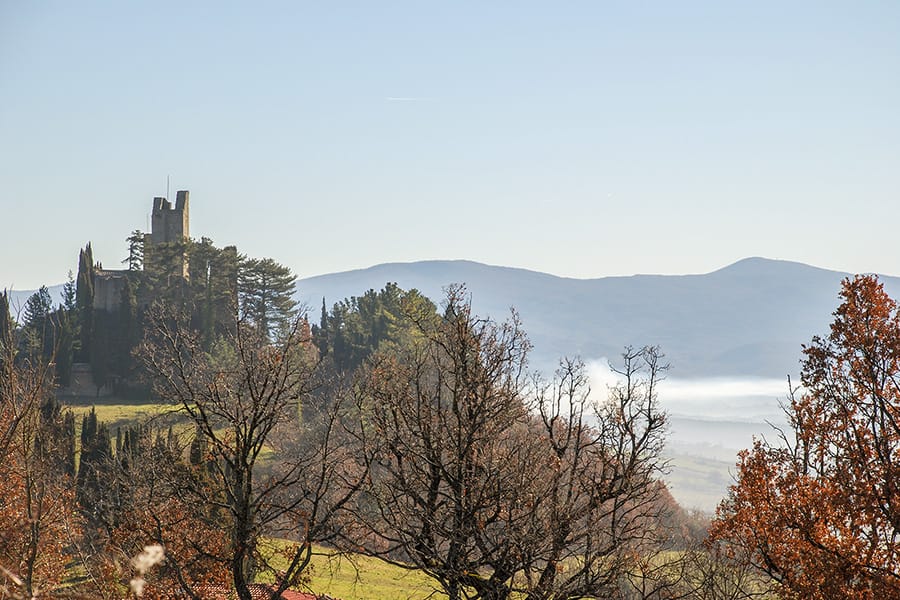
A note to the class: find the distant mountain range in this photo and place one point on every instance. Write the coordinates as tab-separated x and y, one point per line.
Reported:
747	319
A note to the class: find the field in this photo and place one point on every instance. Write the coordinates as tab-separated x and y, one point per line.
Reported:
356	577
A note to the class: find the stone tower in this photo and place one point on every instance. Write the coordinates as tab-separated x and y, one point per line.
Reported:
171	224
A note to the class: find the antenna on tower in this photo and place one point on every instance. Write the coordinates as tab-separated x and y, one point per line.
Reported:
167	187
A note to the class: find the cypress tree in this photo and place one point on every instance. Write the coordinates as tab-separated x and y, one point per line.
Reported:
65	345
65	321
69	443
320	333
84	301
94	466
7	351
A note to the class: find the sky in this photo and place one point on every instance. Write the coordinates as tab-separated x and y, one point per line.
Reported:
582	139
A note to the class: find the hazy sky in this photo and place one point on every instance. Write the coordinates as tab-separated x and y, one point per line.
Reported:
582	139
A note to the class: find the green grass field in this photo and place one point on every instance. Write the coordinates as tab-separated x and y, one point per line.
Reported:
357	577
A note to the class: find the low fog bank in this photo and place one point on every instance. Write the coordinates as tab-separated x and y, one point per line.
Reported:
711	419
733	399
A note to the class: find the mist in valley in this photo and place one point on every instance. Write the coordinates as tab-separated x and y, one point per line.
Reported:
710	420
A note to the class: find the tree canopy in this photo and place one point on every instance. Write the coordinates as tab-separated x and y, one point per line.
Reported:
819	509
265	292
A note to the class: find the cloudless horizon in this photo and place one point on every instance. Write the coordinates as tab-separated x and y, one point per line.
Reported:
584	140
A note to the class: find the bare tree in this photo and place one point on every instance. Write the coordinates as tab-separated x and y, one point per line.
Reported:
267	474
495	483
442	413
600	509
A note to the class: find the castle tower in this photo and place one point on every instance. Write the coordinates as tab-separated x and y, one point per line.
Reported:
170	225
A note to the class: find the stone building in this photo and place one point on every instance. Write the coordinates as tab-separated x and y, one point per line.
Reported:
171	224
168	225
108	285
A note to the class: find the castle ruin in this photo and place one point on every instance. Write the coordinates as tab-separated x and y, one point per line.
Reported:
171	224
169	227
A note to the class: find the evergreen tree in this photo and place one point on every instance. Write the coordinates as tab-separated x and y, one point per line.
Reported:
7	349
359	326
127	331
213	288
65	320
266	291
39	330
135	258
84	301
38	308
94	466
69	437
198	448
66	342
68	293
320	332
164	274
57	436
6	322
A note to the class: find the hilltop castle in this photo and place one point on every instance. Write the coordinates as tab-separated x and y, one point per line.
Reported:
169	227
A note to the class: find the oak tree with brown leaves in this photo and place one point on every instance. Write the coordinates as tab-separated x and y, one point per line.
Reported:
820	509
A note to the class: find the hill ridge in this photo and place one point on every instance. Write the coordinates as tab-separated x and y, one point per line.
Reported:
749	317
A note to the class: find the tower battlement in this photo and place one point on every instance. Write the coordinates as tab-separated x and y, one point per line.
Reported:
170	224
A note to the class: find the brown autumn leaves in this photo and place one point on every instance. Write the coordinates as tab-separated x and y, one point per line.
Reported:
819	508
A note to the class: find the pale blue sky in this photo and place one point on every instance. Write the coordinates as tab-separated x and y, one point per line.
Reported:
579	138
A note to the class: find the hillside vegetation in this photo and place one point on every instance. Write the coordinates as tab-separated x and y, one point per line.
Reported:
398	447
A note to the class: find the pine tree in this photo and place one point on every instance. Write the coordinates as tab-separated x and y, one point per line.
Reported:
39	330
135	258
68	293
266	291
